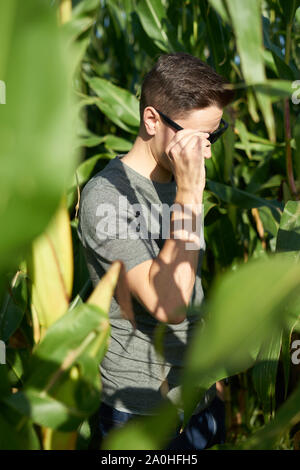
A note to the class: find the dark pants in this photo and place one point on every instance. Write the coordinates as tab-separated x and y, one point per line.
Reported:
203	430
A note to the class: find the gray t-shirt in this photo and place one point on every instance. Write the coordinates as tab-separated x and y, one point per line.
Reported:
133	374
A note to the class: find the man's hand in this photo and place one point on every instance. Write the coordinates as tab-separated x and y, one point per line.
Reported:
186	153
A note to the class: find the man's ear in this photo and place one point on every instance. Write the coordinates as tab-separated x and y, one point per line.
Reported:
151	120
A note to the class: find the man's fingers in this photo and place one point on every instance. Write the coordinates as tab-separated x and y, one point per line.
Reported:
191	140
195	143
185	132
183	136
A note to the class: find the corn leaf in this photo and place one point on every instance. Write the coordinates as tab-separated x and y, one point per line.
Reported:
152	15
37	136
213	355
63	386
50	269
264	372
118	104
246	19
26	438
240	198
288	238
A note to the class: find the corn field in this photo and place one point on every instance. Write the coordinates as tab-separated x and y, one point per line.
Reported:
70	76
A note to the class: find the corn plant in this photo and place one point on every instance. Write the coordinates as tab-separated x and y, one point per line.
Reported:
55	330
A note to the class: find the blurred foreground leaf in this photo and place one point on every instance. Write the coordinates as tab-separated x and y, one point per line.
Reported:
246	305
37	122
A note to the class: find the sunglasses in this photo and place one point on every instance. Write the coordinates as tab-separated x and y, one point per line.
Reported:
213	136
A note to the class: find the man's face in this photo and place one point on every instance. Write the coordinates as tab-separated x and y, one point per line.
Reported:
203	120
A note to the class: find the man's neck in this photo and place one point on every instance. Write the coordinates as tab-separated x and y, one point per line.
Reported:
141	159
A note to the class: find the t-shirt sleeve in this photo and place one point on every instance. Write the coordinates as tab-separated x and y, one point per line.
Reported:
108	228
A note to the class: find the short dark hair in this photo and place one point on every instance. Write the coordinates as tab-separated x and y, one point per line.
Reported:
179	83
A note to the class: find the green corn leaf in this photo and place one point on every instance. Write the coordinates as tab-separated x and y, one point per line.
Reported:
269	222
17	361
86	168
289	8
246	319
242	130
247	27
37	122
240	198
63	385
267	437
271	87
50	270
284	70
280	88
246	19
222	239
118	104
220	7
152	15
24	438
86	7
82	175
113	142
78	26
214	34
45	410
209	202
288	238
13	307
264	372
72	347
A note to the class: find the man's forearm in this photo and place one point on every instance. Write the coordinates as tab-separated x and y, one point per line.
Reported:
172	274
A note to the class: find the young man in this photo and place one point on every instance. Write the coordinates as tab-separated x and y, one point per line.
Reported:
165	166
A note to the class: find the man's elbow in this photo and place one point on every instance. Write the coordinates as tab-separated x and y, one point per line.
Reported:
173	317
177	320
